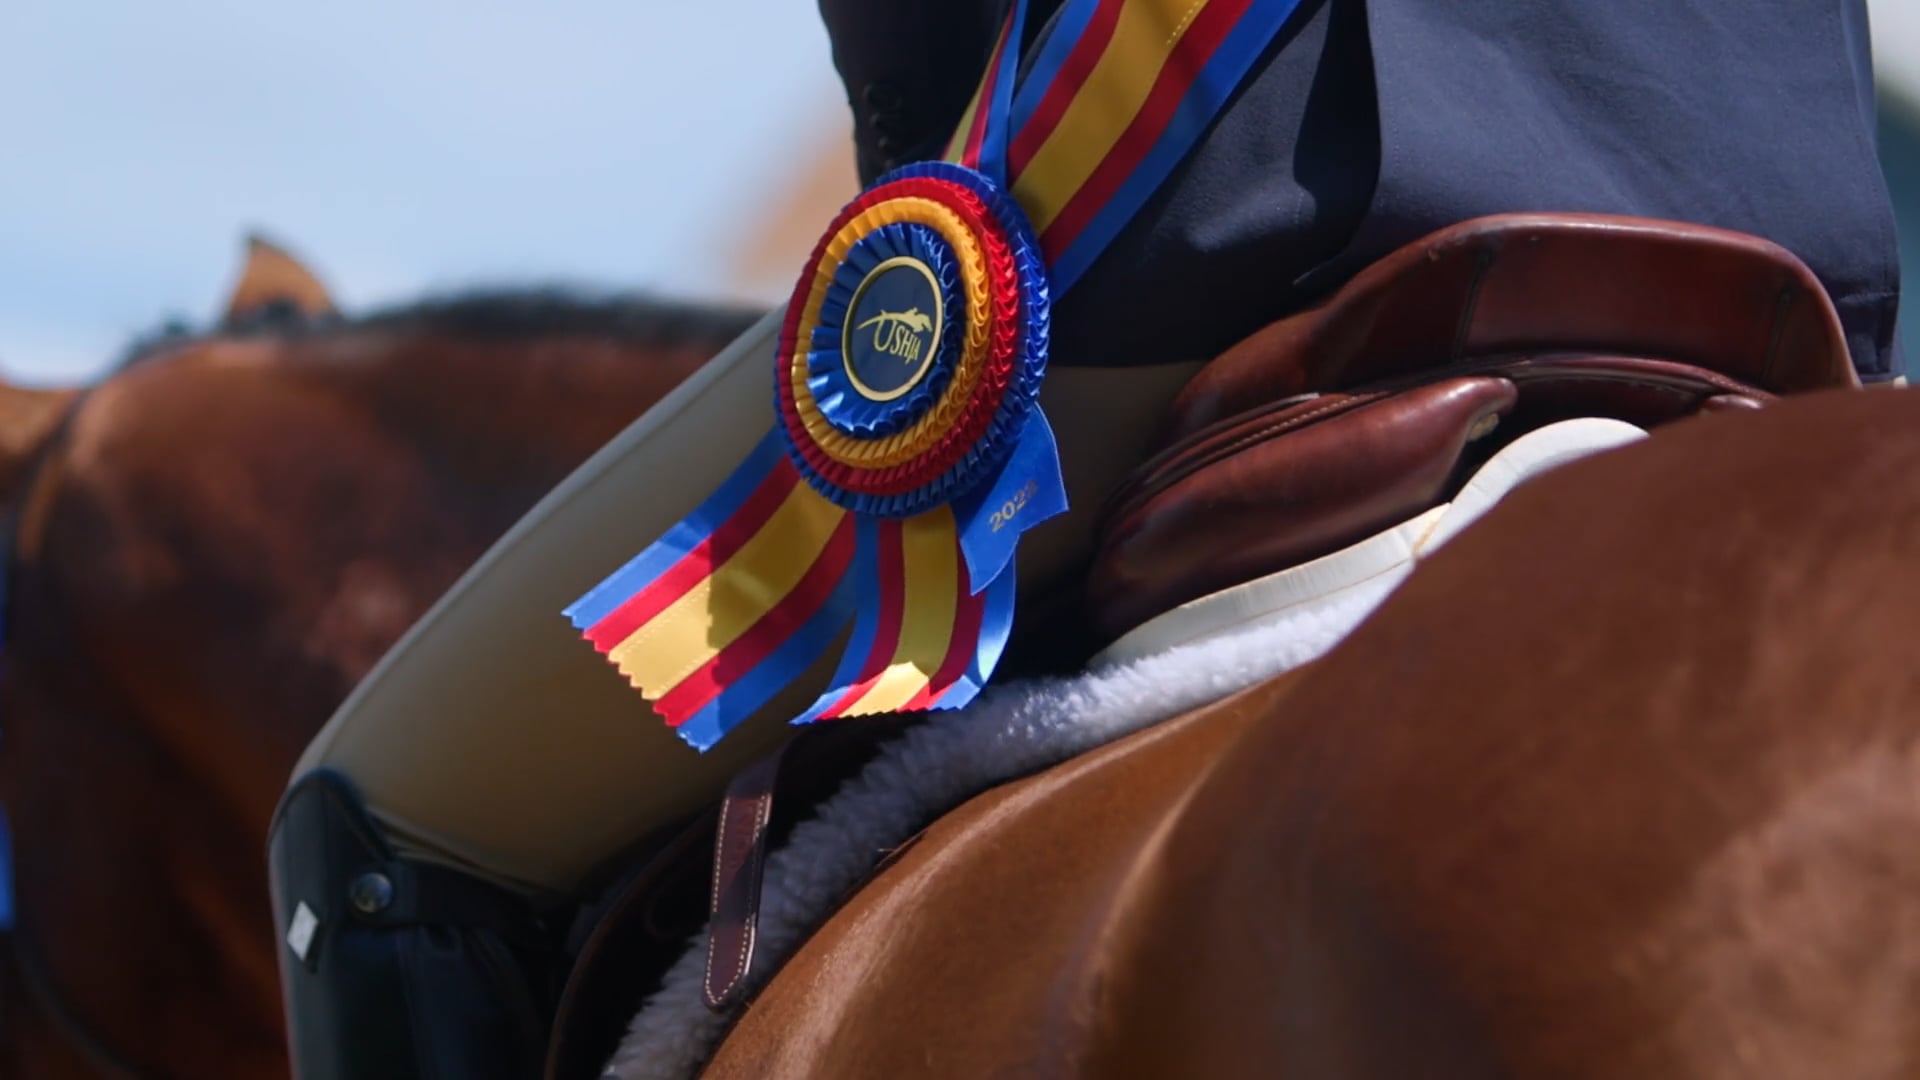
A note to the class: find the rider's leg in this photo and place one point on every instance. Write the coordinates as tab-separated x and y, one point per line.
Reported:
397	967
500	759
493	741
492	738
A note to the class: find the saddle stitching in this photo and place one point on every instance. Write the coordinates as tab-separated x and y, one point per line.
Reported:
1782	304
1150	484
751	865
1483	265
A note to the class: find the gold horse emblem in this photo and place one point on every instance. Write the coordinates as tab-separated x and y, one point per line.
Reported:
897	333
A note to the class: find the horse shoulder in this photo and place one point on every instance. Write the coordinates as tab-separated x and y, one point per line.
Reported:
1616	784
989	943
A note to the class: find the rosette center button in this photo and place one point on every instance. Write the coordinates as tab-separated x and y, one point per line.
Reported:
892	332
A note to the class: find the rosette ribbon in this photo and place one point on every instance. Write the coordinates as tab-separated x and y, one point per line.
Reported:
911	452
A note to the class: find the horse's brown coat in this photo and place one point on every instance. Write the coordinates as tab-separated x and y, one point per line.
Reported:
229	535
1014	910
1623	783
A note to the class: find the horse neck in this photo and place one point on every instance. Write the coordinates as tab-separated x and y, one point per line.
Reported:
499	422
264	517
226	538
39	1038
29	1045
120	855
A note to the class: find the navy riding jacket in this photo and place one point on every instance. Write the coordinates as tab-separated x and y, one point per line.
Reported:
1370	123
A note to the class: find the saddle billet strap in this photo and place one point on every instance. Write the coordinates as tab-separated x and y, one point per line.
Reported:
656	895
762	805
739	860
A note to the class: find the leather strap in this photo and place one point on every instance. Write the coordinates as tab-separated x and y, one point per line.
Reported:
739	859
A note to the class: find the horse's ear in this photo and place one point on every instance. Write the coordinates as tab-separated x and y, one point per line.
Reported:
274	281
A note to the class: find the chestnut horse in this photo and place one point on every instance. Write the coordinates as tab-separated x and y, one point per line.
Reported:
1624	782
210	547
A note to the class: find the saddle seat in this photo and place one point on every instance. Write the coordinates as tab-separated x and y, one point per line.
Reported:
1358	414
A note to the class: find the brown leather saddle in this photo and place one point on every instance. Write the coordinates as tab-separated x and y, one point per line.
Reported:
1318	431
1351	417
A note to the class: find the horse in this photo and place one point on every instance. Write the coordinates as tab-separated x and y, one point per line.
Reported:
207	549
1621	782
1614	782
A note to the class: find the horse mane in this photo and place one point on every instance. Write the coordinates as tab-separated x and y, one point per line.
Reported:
484	315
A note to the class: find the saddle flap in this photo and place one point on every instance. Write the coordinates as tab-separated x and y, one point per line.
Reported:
1524	283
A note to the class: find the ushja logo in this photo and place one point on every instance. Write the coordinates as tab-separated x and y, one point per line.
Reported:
897	333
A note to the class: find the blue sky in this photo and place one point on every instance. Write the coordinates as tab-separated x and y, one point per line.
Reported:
1896	44
401	146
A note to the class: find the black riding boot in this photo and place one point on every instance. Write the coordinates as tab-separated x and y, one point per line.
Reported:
393	968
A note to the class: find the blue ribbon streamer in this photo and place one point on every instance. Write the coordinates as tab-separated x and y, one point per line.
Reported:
1010	480
1028	490
993	141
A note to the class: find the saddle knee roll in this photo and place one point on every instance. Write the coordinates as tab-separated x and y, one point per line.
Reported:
392	968
1276	488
